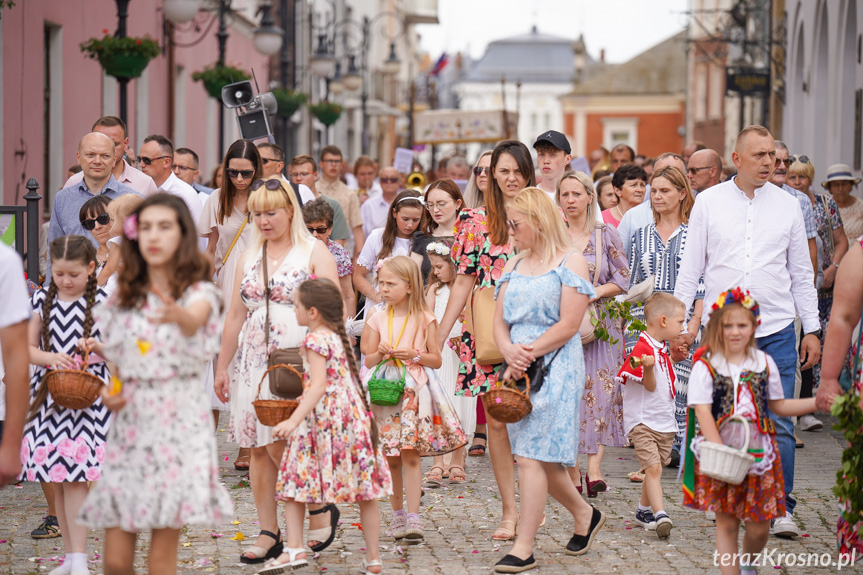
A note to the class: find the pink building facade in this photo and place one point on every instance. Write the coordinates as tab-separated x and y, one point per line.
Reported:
51	93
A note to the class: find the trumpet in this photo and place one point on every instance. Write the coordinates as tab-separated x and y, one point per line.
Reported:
634	362
416	181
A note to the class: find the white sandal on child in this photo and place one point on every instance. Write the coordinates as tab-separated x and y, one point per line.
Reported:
375	563
276	568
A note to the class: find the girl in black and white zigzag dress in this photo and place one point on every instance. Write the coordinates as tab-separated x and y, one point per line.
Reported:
65	446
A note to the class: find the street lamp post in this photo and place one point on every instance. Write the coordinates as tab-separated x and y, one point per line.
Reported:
122	15
222	36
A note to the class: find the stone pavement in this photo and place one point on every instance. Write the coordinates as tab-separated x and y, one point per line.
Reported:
459	521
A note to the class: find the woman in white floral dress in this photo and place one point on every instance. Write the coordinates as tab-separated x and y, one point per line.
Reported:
293	256
160	327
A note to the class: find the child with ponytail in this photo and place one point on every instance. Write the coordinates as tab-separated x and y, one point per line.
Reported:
66	447
332	455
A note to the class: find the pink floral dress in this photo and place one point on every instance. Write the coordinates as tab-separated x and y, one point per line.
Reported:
251	359
160	469
475	255
329	457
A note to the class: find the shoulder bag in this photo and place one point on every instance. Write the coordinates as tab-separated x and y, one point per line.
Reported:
535	372
586	330
283	382
479	321
236	237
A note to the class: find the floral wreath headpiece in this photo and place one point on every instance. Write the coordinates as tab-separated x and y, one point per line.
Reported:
381	263
438	248
737	295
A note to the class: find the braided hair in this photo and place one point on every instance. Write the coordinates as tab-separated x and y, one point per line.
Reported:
324	295
73	249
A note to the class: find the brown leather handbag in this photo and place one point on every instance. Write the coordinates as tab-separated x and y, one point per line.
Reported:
287	383
479	321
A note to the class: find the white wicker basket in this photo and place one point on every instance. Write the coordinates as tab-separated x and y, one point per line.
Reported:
726	463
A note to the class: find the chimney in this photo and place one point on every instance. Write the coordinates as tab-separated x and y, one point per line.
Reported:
602	56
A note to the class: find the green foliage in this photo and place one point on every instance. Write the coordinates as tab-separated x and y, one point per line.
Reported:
613	310
848	487
326	112
289	101
215	77
5	4
97	48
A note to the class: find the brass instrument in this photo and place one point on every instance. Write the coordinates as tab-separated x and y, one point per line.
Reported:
416	181
634	362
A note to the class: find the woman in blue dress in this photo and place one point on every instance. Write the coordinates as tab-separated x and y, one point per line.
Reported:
545	277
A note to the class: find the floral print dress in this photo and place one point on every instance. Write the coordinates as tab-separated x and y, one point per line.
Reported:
251	358
827	219
160	469
329	457
475	255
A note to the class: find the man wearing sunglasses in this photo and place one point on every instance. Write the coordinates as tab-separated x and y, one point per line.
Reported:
123	172
96	157
157	157
376	209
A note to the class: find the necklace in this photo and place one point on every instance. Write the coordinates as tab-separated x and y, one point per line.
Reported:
275	259
619	213
534	267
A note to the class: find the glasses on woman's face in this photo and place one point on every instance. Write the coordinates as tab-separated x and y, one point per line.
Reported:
512	225
479	170
234	174
319	231
90	223
271	185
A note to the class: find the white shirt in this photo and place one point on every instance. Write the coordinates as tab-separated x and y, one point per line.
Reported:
655	409
306	193
374	211
177	187
759	245
14	305
633	220
368	257
135	179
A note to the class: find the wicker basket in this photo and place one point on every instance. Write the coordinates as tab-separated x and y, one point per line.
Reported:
726	463
386	392
274	411
74	389
506	403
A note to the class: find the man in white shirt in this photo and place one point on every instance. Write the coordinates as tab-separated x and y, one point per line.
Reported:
553	155
376	209
157	157
748	232
115	128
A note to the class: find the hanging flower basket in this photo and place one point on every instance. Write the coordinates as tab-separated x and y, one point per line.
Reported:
326	112
122	58
215	77
289	101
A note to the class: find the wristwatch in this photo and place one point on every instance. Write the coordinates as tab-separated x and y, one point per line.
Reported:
815	333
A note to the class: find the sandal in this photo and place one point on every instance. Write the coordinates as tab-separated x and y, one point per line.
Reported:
445	473
261	554
329	532
244	459
276	568
477	450
433	478
635	476
457	474
367	564
504	534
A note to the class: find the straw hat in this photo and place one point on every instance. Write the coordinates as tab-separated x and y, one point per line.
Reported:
839	173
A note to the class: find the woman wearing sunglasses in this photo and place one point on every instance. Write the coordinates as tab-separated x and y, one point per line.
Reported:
95	219
292	257
477	185
225	223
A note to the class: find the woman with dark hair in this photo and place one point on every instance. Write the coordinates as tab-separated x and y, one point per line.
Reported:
94	218
444	201
630	184
225	223
481	250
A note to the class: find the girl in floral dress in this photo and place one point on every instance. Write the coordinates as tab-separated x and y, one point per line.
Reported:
160	327
402	338
65	447
332	455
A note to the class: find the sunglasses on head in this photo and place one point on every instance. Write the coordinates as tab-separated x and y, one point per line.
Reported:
389	180
802	159
271	185
90	223
478	171
319	231
247	174
147	161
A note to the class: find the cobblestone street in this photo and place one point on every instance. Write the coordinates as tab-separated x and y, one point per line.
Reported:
459	521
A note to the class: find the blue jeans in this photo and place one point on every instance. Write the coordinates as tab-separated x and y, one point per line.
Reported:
782	347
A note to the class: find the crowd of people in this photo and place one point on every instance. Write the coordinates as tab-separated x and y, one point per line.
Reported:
641	298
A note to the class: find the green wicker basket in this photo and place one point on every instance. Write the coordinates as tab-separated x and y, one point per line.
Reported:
386	392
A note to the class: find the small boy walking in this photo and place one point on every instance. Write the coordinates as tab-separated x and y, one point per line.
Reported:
648	404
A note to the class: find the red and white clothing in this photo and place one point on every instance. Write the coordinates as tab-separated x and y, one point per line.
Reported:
655	409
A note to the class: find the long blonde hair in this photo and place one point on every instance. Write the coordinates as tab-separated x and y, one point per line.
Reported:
545	220
262	200
407	270
473	196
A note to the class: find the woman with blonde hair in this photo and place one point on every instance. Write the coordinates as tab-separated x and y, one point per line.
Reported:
655	253
282	255
601	407
477	185
528	328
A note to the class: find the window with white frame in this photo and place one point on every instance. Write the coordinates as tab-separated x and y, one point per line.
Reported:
619	131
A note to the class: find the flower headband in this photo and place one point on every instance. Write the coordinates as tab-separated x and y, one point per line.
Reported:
737	295
381	263
130	227
438	248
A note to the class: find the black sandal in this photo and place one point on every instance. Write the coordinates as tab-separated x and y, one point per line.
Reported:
334	523
478	450
272	553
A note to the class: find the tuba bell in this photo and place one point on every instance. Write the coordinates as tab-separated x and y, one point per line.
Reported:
416	181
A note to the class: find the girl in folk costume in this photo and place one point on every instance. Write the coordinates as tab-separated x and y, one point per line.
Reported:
332	455
401	342
441	278
732	377
66	447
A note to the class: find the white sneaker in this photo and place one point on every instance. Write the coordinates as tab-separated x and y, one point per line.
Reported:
784	527
809	423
